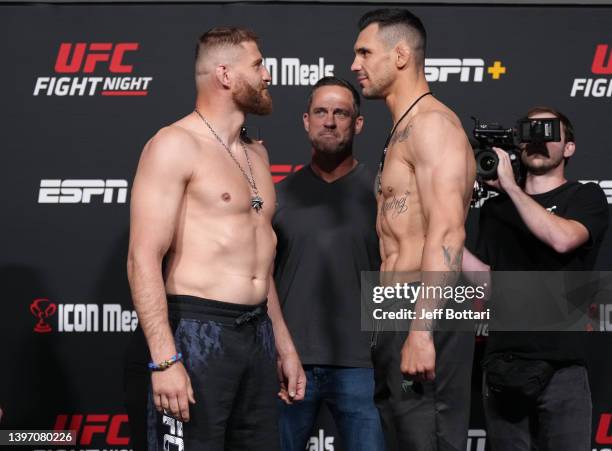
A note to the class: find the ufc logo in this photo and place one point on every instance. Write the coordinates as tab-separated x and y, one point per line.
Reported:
73	58
602	61
604	434
175	436
106	425
81	191
280	171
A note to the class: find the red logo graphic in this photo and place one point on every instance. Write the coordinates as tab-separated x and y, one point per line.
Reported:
600	65
604	434
91	55
42	309
95	424
280	171
94	68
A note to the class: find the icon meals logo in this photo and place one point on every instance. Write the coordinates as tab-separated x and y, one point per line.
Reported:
81	317
89	58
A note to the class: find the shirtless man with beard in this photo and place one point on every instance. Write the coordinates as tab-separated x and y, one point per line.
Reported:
423	192
202	203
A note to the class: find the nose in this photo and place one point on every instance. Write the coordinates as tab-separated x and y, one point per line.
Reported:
330	120
356	66
267	78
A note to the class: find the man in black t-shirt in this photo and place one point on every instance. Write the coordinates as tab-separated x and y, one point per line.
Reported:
325	223
550	225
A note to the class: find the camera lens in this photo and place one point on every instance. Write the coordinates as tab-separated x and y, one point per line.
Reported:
488	163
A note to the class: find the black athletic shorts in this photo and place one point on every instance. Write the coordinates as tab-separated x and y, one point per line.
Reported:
229	352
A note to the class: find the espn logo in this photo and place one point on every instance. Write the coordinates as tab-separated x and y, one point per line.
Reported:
280	171
468	69
77	191
606	186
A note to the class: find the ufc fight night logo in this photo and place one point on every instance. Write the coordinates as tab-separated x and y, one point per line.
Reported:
76	64
82	191
601	68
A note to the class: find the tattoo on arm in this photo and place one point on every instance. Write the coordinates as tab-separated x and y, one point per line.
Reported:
452	260
401	135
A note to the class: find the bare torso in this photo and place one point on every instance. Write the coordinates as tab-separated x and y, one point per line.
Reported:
401	223
222	248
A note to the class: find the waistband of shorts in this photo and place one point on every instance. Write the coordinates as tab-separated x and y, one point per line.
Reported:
186	306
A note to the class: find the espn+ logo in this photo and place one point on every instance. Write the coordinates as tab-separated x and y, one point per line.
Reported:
89	58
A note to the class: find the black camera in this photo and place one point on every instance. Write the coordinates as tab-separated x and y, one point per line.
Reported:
527	131
489	135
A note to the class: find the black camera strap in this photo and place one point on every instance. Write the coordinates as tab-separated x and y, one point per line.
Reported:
381	165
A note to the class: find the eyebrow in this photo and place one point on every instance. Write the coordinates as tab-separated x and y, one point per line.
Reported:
335	110
361	49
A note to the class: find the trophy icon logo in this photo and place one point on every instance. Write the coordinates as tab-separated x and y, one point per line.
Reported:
42	308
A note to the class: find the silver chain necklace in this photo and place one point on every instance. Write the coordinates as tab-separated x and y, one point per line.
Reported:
256	200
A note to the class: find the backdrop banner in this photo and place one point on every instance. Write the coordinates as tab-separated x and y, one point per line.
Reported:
84	88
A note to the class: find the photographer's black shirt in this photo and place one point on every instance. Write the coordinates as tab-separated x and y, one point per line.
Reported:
326	237
506	244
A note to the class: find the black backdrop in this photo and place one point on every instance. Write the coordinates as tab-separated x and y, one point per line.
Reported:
68	159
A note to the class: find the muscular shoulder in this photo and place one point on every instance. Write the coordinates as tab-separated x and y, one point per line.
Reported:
437	134
171	144
172	150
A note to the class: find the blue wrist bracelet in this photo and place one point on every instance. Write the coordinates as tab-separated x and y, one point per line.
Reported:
166	363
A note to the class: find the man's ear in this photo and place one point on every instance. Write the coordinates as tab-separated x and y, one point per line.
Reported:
223	75
306	119
569	149
402	54
358	124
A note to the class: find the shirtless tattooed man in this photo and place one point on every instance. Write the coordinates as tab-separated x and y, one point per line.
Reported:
423	193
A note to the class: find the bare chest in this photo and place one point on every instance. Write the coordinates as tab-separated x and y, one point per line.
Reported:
398	189
220	184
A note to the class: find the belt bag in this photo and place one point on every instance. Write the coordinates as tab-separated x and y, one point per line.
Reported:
509	375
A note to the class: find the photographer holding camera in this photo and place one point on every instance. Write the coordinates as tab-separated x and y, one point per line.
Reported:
549	224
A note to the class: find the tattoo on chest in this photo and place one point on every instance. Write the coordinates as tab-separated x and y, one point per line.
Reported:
396	205
452	258
401	135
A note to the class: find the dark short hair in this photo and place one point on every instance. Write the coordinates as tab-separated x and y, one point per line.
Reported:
220	36
335	81
568	128
409	26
